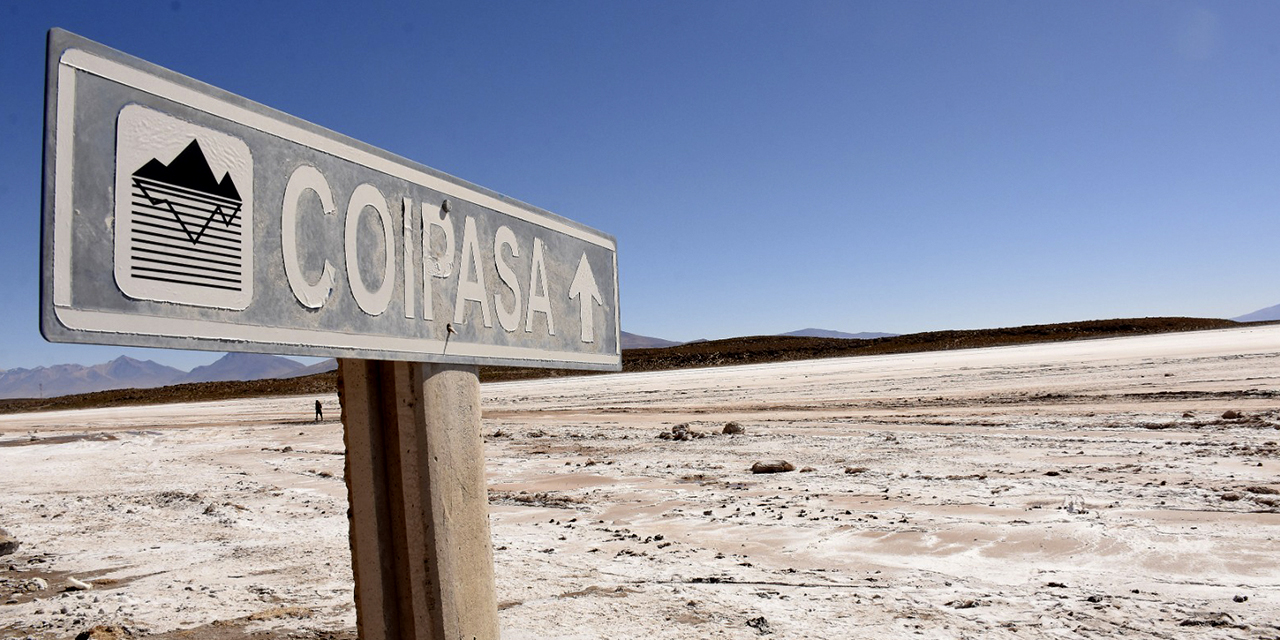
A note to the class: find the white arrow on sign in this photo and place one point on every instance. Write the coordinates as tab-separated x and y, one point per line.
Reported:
582	287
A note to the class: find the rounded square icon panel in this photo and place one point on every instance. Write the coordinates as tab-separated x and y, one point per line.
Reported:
183	212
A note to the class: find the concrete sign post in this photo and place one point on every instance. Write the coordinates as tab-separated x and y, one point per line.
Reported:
420	545
178	215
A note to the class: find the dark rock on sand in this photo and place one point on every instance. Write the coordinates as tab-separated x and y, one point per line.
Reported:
105	632
8	543
760	625
680	432
772	466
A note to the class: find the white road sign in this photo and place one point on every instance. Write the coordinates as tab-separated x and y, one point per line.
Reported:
179	215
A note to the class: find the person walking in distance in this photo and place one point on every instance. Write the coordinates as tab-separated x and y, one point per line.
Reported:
319	412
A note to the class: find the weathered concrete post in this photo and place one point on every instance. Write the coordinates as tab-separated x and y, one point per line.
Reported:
420	545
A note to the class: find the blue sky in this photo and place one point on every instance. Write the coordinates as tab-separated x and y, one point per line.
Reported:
861	166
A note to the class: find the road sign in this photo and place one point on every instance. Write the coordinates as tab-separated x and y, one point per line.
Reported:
179	215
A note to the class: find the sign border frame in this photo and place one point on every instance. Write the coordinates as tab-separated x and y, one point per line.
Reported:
68	54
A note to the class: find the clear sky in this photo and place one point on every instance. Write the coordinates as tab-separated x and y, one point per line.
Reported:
766	166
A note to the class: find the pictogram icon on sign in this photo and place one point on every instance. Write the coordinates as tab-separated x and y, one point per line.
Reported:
183	212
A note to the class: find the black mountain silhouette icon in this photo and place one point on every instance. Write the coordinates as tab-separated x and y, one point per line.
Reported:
186	190
191	170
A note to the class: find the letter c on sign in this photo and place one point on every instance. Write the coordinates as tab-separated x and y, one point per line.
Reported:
371	302
304	178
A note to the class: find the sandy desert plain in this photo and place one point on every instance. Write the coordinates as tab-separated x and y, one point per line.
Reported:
1086	489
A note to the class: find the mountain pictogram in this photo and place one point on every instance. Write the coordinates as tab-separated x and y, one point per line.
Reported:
191	170
164	184
183	222
186	223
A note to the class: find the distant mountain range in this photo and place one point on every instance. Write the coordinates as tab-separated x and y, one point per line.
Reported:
129	373
65	379
242	366
634	341
1261	315
323	366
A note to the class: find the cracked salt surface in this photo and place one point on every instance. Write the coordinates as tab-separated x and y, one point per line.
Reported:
934	507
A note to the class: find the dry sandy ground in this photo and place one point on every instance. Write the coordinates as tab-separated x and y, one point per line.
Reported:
1086	489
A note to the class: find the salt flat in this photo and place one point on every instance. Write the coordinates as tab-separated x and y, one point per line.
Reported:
1087	489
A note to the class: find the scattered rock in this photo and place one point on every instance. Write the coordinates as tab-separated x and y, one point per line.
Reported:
1231	496
681	432
760	625
8	543
772	466
1241	599
1268	491
853	471
1052	473
105	632
807	470
1188	414
1056	585
733	428
963	604
1232	414
77	585
1214	619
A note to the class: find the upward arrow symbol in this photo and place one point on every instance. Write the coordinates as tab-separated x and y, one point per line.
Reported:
583	287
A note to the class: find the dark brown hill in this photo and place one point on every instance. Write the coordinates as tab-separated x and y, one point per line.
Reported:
758	349
713	353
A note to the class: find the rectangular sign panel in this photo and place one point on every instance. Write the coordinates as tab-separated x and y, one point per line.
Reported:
179	215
